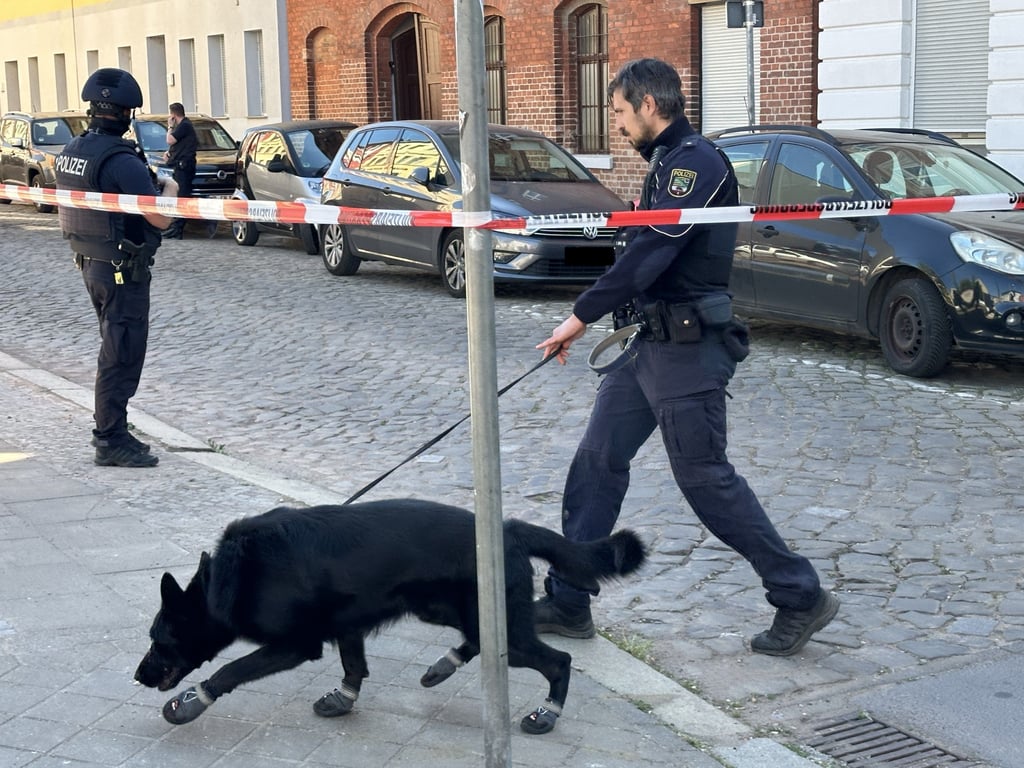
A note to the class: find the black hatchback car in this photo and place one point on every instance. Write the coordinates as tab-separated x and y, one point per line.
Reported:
414	166
920	283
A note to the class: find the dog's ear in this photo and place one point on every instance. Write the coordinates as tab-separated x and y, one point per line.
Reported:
202	574
170	592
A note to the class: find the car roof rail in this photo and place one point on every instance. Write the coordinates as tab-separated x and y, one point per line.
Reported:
919	132
808	130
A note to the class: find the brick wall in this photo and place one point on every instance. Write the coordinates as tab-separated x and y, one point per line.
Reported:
339	53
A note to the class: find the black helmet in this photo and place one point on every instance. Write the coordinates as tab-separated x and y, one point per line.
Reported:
112	86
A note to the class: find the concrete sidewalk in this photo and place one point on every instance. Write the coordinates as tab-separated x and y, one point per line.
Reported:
81	557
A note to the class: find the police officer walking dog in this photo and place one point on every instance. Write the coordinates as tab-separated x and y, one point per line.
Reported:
114	252
673	280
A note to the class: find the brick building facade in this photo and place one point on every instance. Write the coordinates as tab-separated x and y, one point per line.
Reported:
345	60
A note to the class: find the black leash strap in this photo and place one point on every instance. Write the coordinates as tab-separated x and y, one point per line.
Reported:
444	434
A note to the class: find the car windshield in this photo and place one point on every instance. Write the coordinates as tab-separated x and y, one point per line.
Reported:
525	158
930	170
56	131
315	148
152	135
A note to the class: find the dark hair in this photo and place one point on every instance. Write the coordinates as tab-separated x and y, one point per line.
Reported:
177	109
653	77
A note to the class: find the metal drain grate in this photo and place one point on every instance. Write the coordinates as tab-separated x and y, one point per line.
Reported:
860	741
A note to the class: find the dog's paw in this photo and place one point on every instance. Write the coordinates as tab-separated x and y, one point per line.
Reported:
542	719
439	671
186	706
335	703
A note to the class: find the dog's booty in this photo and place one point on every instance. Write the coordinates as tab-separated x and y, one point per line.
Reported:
187	706
542	719
441	669
336	703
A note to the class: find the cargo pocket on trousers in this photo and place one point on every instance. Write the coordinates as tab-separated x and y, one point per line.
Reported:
693	430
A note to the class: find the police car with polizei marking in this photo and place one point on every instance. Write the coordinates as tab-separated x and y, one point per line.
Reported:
409	166
923	284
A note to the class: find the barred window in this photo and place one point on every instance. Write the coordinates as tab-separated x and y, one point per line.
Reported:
592	78
494	58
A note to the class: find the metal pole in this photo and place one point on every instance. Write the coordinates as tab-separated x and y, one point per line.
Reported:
748	9
483	378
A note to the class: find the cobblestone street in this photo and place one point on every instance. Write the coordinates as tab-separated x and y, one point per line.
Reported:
905	493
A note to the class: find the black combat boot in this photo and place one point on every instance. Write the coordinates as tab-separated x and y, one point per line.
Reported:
549	615
123	454
791	629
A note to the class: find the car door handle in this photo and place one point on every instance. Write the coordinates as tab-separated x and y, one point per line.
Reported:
768	231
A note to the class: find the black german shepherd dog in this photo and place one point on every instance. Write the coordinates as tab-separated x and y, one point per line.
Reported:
294	579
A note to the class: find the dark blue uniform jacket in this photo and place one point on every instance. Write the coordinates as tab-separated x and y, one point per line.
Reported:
675	263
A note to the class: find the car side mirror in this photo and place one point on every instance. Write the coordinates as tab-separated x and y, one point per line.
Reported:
18	142
421	175
276	166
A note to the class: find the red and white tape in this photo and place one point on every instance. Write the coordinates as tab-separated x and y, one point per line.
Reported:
224	209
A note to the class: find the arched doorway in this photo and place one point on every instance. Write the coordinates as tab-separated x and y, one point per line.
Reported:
416	69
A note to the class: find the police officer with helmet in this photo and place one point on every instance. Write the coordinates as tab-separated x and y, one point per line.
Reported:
672	282
114	251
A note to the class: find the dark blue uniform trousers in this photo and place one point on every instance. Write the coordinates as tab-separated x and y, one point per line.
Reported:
123	312
679	388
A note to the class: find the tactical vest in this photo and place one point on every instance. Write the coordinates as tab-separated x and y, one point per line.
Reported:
95	234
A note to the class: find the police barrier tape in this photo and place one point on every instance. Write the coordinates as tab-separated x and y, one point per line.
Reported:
228	209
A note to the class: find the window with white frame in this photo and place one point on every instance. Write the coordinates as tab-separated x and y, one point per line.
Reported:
218	75
33	83
255	99
60	70
156	62
187	74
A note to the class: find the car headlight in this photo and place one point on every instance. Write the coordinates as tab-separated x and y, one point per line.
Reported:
988	251
515	232
314	185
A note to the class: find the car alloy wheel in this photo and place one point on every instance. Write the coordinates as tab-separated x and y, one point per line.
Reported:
37	183
453	264
244	232
335	251
914	330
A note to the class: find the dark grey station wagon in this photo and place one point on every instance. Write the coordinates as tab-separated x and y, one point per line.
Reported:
414	166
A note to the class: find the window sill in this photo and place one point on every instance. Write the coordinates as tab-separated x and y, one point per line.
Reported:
599	162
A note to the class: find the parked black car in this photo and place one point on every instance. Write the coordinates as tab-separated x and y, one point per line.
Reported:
414	166
284	162
920	283
29	142
215	156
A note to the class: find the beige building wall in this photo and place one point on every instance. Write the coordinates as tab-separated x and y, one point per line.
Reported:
49	47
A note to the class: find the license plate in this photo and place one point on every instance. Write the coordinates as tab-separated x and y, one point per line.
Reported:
589	257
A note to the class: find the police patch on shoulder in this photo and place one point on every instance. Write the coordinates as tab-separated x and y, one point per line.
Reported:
681	182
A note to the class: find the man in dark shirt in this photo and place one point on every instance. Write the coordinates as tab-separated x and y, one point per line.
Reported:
674	280
181	156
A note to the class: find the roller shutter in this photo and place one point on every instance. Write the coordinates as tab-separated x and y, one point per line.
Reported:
723	93
951	65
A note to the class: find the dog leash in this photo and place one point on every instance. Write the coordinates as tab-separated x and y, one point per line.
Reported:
444	434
